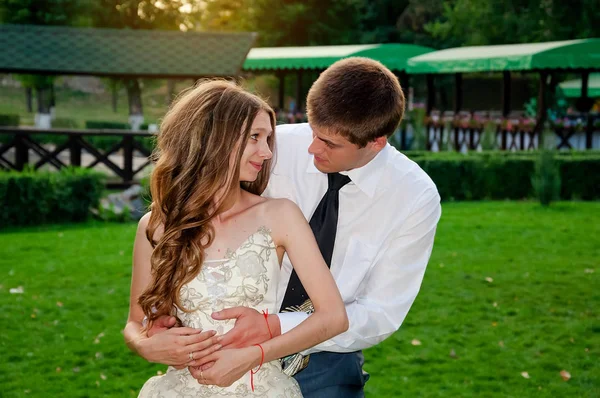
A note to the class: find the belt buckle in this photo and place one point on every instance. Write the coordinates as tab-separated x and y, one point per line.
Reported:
292	364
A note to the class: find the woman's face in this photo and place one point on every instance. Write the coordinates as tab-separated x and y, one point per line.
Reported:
257	149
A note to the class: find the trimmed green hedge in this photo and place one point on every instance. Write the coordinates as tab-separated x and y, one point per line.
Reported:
93	124
64	123
10	120
483	176
32	198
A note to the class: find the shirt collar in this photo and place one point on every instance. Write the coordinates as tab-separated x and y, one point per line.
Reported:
366	177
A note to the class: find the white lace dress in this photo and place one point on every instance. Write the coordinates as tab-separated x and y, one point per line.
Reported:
247	277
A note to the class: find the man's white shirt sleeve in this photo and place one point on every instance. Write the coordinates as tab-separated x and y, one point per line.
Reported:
381	301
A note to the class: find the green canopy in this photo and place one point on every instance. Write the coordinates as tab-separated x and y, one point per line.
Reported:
121	52
394	56
572	88
569	54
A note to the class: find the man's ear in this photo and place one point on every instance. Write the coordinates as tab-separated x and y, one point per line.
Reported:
379	143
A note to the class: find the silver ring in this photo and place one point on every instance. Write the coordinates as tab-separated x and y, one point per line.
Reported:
191	355
201	376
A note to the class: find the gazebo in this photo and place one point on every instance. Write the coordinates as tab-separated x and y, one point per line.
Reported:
58	50
123	53
573	88
546	59
299	60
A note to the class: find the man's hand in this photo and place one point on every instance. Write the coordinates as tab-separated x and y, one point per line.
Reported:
178	347
161	324
250	327
170	348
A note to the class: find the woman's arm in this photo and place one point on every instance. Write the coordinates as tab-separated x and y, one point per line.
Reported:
289	229
169	346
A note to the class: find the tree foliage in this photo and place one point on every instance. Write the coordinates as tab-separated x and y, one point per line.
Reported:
41	12
145	14
288	22
481	22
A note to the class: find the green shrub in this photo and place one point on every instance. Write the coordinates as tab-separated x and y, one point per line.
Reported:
6	138
103	142
146	193
110	214
10	120
147	142
100	124
546	178
31	198
580	177
64	123
56	139
502	175
488	137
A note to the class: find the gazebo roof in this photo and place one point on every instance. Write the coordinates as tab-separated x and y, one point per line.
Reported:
568	55
572	88
121	52
394	56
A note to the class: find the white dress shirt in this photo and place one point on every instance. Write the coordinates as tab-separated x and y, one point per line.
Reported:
386	226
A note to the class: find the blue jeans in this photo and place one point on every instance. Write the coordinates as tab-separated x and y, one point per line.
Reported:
333	375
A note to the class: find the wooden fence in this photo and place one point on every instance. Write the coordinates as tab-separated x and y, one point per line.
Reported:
25	141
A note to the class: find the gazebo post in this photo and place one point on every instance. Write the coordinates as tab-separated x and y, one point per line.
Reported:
404	79
430	94
299	90
541	102
281	76
506	93
405	84
458	93
585	78
457	108
585	75
429	107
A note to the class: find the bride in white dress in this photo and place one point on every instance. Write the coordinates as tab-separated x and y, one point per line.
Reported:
211	242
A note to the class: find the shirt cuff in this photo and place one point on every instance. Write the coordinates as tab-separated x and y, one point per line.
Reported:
289	320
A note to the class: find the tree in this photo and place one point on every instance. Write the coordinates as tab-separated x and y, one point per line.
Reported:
287	22
404	21
146	14
379	22
482	22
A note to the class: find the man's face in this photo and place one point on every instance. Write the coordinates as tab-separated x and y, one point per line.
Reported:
333	152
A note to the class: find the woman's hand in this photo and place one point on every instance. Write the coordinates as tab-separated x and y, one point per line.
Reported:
229	366
178	347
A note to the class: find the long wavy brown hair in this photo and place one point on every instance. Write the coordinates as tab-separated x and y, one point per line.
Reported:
192	181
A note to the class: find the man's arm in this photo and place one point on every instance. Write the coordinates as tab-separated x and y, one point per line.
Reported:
392	284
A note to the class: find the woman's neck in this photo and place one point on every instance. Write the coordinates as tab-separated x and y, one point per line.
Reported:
232	205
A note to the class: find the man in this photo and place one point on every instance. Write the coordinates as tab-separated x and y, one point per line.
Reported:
373	211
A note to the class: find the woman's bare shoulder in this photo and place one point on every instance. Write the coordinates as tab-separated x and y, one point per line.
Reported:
143	226
281	214
282	205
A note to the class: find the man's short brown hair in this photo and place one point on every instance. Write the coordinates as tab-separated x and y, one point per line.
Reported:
358	98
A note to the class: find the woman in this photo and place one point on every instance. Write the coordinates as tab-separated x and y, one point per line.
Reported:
211	242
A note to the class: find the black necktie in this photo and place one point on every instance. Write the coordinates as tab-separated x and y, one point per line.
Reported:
324	225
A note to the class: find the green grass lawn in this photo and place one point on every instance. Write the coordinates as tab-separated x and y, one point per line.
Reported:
511	288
